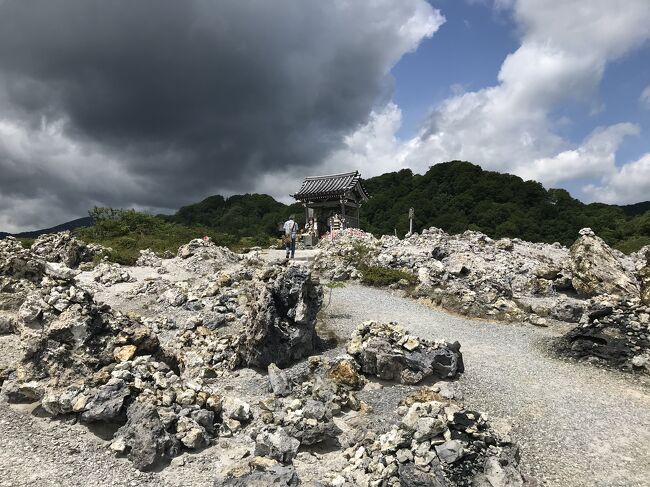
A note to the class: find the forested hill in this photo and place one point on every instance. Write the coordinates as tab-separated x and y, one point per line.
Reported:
455	196
246	215
458	196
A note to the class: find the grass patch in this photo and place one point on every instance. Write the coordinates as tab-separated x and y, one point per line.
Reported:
385	276
26	242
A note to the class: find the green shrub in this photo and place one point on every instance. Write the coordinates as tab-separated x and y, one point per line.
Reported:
127	232
358	256
26	242
632	244
385	276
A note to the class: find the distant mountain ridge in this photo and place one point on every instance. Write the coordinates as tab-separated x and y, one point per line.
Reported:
636	209
71	225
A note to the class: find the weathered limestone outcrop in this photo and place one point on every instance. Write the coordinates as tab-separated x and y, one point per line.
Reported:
598	269
283	319
644	273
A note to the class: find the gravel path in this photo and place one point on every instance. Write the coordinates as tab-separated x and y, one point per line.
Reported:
578	425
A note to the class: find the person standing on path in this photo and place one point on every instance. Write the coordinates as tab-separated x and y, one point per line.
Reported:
290	231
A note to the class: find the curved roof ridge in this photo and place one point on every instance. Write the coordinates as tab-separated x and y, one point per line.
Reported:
331	186
338	175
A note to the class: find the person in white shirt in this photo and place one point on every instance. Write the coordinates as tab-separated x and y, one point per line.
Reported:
290	232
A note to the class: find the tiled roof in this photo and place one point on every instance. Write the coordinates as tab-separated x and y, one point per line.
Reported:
332	186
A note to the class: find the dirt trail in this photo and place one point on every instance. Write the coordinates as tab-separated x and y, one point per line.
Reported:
578	425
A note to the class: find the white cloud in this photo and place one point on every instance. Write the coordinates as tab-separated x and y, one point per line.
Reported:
565	46
595	157
644	99
629	184
47	177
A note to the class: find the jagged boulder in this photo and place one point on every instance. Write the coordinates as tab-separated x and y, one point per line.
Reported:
390	353
283	318
145	439
597	269
108	404
278	381
275	443
614	332
312	423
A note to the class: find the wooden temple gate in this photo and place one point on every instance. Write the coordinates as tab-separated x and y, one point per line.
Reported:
333	200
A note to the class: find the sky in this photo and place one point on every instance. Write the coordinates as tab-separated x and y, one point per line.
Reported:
158	103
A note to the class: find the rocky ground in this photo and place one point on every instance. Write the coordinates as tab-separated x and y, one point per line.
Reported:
604	293
213	368
577	424
176	362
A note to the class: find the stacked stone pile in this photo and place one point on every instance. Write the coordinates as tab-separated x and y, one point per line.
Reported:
20	272
81	358
203	257
437	444
148	258
390	353
108	274
65	249
18	263
615	332
240	317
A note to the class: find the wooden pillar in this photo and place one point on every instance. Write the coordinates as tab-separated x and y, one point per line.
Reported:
358	220
343	214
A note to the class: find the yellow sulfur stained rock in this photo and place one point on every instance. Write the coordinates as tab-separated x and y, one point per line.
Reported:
122	354
345	373
411	344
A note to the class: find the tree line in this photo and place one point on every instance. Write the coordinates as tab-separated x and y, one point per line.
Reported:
455	196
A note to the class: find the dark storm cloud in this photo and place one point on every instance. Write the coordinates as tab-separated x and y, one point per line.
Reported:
159	102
